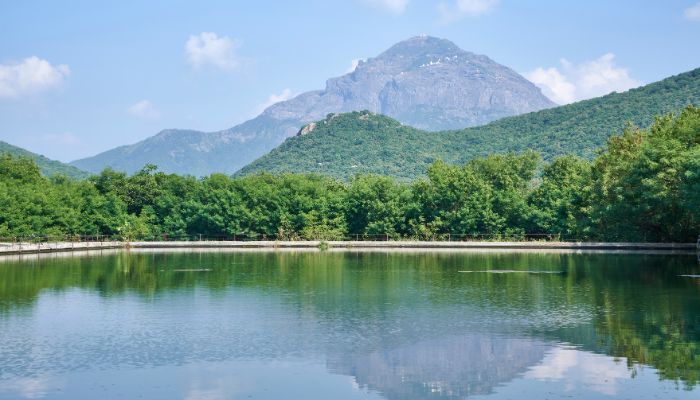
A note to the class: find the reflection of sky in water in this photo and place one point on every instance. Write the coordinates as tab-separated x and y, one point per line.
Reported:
569	373
347	331
596	372
563	373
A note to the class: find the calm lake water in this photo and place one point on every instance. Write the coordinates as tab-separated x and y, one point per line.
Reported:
349	325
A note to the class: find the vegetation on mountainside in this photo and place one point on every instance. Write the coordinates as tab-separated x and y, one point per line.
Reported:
360	142
644	187
47	166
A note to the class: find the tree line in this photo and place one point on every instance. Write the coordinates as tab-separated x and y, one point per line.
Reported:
643	186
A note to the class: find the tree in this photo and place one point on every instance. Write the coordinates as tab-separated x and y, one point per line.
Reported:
376	205
644	183
454	200
560	205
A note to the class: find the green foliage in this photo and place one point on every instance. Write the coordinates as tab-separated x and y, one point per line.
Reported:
454	200
645	186
510	176
360	142
376	205
46	166
560	204
20	169
31	204
344	145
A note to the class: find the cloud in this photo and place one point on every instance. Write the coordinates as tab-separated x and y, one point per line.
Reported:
30	76
572	82
208	49
143	109
354	63
274	98
392	6
692	13
554	85
465	8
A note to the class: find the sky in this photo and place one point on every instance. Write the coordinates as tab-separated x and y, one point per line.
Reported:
81	77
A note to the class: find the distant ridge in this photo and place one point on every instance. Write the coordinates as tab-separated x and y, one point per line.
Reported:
47	166
347	144
424	81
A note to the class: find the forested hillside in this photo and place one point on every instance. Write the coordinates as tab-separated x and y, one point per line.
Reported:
347	144
47	166
645	186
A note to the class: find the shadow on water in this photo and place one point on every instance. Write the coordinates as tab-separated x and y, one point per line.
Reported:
405	325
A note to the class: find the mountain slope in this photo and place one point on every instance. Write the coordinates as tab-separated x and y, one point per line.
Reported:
346	144
48	167
425	82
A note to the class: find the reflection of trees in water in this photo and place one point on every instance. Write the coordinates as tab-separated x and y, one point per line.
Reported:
631	306
646	313
447	367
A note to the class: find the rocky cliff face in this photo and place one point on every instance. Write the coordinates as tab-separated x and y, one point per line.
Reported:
425	82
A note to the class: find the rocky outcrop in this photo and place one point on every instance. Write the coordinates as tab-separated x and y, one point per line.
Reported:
306	129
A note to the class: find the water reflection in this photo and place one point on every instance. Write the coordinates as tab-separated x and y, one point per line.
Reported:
402	325
447	367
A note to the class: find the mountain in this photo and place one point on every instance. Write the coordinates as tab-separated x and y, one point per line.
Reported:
363	142
48	167
425	82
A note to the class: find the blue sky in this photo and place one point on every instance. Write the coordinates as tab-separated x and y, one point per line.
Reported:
80	77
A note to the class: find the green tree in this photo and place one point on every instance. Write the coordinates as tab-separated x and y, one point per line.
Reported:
560	205
644	183
453	200
376	205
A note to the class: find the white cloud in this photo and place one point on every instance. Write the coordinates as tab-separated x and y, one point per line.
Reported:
465	8
274	98
354	63
208	48
692	13
553	84
392	6
143	109
572	82
32	75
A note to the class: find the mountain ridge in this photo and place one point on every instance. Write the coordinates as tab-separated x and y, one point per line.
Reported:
423	81
377	144
47	166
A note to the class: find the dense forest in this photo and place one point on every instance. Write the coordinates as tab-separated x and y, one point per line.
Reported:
644	186
360	142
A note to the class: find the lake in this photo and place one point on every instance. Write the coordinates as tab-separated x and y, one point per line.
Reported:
349	325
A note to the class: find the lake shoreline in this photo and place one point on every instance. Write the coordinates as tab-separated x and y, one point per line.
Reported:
54	247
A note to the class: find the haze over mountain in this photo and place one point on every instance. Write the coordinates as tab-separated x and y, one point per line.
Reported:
425	82
362	142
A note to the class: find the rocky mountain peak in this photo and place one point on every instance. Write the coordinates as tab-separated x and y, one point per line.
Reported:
422	46
423	81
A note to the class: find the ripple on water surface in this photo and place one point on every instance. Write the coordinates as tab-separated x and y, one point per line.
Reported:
350	325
